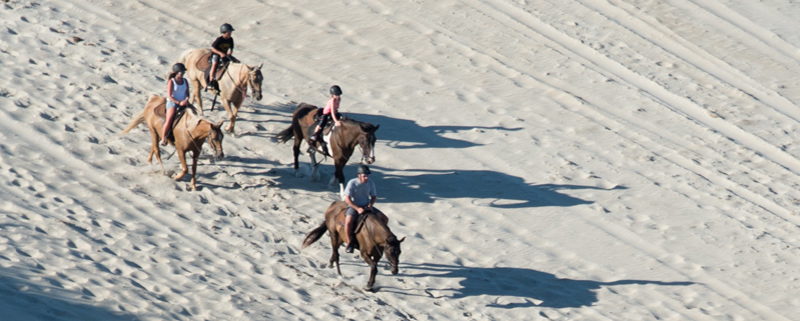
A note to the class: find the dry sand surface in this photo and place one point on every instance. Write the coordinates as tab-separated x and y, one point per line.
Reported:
546	160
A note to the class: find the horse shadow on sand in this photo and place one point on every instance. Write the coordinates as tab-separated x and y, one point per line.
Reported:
485	187
408	134
48	302
531	288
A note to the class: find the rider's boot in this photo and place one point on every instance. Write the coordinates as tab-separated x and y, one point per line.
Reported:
352	244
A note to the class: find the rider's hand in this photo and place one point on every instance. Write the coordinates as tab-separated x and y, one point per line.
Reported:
360	210
338	123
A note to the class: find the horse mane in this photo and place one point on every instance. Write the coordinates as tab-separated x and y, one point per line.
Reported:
374	221
365	127
303	109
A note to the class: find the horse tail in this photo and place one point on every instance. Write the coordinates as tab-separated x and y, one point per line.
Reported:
286	134
314	235
138	119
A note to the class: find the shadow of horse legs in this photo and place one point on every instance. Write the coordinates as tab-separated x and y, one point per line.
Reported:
530	285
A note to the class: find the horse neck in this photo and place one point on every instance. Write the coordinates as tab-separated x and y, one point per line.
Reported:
202	130
235	77
349	135
379	231
199	132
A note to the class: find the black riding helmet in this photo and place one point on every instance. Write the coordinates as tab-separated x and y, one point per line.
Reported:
178	67
335	90
225	27
363	169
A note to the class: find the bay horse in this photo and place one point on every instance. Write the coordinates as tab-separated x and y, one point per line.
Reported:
375	239
343	141
233	84
189	133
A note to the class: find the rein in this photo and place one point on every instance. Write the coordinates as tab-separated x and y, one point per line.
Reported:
188	132
241	88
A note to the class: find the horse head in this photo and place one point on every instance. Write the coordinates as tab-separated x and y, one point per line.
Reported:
367	143
254	80
392	252
215	140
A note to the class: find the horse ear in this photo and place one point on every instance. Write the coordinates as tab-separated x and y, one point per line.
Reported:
259	66
376	128
402	239
219	124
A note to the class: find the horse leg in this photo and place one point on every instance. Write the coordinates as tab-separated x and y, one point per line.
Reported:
335	243
296	152
153	145
314	166
231	115
184	168
195	155
339	175
196	99
155	148
373	269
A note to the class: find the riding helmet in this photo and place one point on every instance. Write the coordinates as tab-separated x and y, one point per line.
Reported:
178	67
363	169
335	90
225	27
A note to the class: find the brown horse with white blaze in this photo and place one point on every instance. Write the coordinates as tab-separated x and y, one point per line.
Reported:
343	141
375	239
189	133
233	83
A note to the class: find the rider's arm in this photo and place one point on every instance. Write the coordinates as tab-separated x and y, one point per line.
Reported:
350	203
335	110
373	194
215	50
169	91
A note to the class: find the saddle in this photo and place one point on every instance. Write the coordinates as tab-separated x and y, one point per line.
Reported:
362	218
161	111
204	64
325	132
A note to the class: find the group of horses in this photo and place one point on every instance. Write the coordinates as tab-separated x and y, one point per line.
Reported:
190	132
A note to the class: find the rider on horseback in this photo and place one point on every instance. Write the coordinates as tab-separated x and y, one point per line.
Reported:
331	111
360	196
177	95
222	51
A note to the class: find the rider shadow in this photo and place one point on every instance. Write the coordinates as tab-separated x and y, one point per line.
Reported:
407	134
487	188
527	284
48	302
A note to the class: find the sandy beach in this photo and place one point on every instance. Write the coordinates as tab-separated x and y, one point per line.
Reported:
545	160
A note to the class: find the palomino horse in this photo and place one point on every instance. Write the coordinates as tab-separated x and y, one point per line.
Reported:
343	140
189	133
233	83
374	239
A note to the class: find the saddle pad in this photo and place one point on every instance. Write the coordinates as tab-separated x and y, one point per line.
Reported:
204	63
190	113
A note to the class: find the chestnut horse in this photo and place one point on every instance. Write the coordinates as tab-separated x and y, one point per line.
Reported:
343	141
189	133
232	84
375	239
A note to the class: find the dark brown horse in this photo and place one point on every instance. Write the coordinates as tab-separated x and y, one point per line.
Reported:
343	141
375	239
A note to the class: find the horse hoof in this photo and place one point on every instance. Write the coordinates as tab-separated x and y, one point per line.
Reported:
369	289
